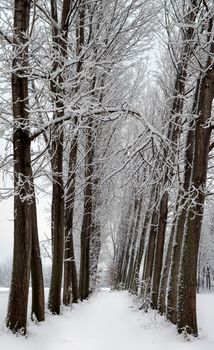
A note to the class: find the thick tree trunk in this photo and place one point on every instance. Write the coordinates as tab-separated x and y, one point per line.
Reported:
171	311
23	182
173	136
187	320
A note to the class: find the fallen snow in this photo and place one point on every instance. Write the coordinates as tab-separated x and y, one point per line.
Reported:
108	321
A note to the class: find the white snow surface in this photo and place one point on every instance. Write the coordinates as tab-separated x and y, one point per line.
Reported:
108	321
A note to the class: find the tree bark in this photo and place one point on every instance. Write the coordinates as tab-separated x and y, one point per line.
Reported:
70	290
158	258
23	182
95	250
171	311
129	238
139	255
133	250
59	38
149	258
70	271
187	321
87	217
174	131
38	297
165	270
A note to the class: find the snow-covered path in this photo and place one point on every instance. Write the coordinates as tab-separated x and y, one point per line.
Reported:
109	321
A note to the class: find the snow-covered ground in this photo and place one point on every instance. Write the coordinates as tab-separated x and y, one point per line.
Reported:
109	321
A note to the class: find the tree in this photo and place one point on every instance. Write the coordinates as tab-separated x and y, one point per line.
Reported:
59	38
23	188
189	257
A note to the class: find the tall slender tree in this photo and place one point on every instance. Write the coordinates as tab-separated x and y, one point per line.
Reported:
59	39
187	320
23	181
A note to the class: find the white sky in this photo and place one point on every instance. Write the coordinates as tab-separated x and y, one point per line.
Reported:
6	230
6	225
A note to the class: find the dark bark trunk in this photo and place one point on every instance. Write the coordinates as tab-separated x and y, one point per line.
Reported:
171	311
173	136
23	182
150	248
38	297
187	321
87	217
158	258
70	290
70	271
54	301
126	257
59	38
149	258
133	248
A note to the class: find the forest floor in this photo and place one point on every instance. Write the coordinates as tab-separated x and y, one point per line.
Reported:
109	321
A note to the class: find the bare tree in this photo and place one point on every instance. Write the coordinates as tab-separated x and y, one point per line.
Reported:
59	38
188	277
23	204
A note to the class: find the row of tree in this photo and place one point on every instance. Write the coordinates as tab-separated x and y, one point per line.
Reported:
68	63
158	251
124	156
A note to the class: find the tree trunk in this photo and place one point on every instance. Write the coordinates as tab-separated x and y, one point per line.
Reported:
95	252
133	250
187	320
23	182
126	255
38	297
70	273
87	217
171	311
140	252
150	251
130	268
119	260
59	37
158	258
173	136
165	270
57	219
